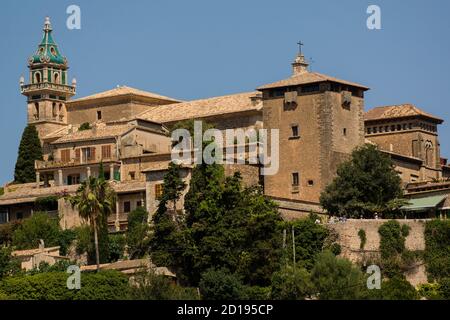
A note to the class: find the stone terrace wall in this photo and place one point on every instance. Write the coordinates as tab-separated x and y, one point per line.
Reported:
350	242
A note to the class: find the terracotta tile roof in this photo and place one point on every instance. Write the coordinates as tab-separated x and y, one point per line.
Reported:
32	252
203	108
58	133
123	91
163	166
131	266
30	194
397	111
128	186
306	78
101	131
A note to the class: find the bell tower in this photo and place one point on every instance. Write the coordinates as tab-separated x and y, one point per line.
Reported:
48	88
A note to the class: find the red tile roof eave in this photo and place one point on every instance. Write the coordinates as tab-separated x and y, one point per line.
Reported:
379	120
274	86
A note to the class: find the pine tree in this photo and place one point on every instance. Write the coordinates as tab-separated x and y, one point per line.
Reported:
29	150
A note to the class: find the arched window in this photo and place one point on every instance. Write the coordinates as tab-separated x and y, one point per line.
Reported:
61	111
54	110
36	111
56	77
37	77
429	153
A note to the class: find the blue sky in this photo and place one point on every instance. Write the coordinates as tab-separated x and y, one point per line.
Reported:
202	48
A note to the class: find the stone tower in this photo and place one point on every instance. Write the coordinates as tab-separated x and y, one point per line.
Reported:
48	89
320	121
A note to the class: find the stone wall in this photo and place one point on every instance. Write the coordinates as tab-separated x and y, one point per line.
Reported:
349	240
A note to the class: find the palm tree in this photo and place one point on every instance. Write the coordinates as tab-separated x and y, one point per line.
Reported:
95	200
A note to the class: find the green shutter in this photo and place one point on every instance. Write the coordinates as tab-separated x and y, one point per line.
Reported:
64	77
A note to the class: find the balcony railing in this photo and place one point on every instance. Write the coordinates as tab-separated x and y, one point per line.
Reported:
39	164
48	86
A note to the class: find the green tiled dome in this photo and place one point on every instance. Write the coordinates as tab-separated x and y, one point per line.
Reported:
47	51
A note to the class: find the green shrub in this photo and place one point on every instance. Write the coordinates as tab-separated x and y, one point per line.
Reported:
396	288
2	191
291	284
8	264
437	249
137	233
85	126
336	249
66	237
116	247
6	232
336	278
221	285
104	285
362	236
309	241
444	288
430	291
39	226
256	293
147	285
46	203
392	238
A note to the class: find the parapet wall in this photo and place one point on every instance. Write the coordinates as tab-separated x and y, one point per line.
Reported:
349	240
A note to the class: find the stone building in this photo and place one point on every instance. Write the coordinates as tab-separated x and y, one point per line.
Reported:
320	120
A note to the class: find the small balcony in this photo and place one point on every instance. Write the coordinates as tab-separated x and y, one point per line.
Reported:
75	162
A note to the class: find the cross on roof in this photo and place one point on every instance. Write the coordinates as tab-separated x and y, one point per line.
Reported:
300	44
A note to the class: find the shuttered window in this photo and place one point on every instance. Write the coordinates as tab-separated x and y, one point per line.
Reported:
77	155
65	155
158	191
106	152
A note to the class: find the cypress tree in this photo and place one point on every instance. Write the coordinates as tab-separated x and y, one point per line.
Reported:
29	150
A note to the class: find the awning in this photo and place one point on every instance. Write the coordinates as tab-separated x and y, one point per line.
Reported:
424	204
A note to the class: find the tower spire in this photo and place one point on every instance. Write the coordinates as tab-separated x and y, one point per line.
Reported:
47	25
300	66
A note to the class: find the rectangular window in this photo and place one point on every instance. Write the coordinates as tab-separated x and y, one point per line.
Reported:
126	206
295	131
88	154
295	179
65	155
132	175
73	179
99	115
77	155
106	152
138	203
344	131
415	148
3	217
158	191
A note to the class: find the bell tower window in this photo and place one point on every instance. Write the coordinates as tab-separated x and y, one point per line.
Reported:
54	110
36	111
56	77
37	77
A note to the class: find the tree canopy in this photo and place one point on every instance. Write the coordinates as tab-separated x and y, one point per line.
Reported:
30	149
226	226
365	184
